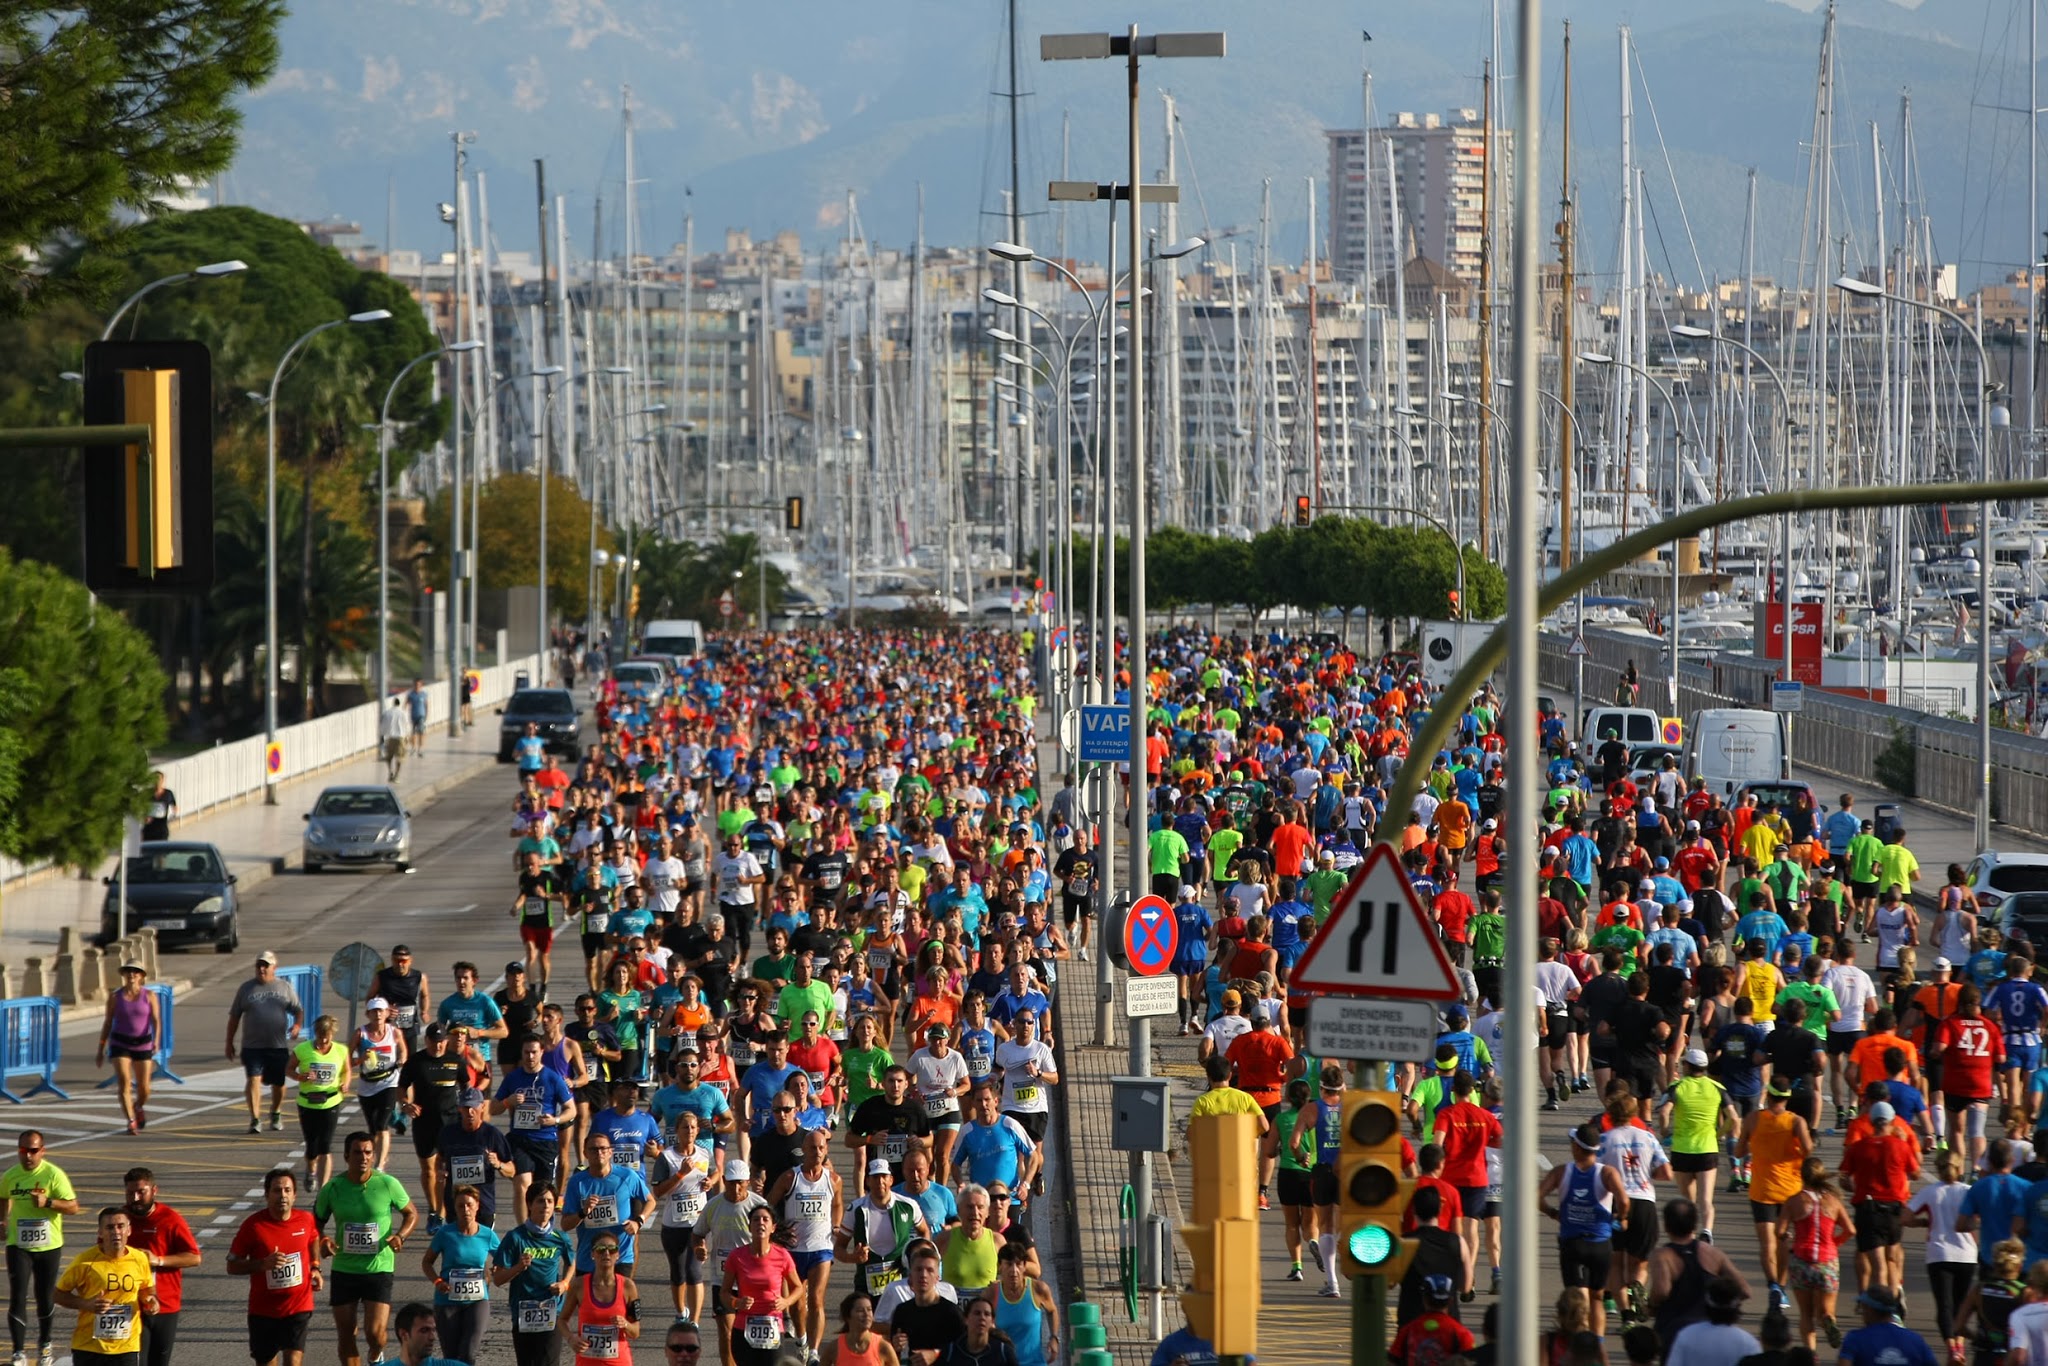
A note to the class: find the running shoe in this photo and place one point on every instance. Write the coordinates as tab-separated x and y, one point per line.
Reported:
276	1121
141	1117
1777	1298
1315	1250
1264	1204
1496	1282
1294	1272
1831	1330
254	1127
131	1126
1331	1292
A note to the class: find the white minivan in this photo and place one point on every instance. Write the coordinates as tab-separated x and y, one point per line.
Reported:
1730	746
678	640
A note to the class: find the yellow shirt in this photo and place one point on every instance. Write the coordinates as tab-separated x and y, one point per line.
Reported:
1760	843
121	1279
1224	1100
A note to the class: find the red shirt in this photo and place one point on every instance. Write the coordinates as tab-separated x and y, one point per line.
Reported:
1970	1049
1692	866
1881	1166
259	1236
163	1232
1453	908
1290	843
1430	1339
1454	1204
1464	1130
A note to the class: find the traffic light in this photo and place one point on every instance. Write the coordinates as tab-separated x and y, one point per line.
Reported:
1222	1234
793	513
1304	509
149	475
1372	1194
1457	606
149	511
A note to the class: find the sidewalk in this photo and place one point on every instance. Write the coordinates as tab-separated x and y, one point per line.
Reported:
258	840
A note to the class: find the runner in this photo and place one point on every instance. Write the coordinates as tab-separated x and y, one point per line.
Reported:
278	1249
161	1234
373	1217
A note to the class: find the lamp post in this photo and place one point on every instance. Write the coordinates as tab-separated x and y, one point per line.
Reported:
1130	46
375	315
1865	289
206	272
1574	449
384	509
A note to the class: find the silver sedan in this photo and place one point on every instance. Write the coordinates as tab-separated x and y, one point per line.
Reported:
358	827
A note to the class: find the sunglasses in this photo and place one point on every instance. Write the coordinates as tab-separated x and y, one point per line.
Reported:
602	1251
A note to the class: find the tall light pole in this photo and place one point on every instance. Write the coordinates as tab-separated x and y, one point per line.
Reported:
375	315
384	510
1974	331
206	272
540	594
1130	46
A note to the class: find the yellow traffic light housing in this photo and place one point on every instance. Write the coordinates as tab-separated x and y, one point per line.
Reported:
149	508
1222	1234
1372	1193
793	513
149	476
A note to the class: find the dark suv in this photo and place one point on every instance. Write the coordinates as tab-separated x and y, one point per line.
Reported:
553	710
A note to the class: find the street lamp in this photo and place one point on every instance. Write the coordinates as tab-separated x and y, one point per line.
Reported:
207	272
384	510
375	315
1867	290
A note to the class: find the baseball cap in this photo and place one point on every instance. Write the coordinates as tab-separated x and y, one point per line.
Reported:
515	969
437	1030
1695	1057
736	1169
1231	997
1489	824
1882	1113
1257	1014
877	1167
1456	1012
1942	965
469	1096
1437	1287
267	957
374	1003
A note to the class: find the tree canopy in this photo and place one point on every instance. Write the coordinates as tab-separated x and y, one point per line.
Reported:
508	551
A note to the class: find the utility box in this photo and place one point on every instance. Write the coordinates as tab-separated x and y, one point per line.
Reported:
1144	1114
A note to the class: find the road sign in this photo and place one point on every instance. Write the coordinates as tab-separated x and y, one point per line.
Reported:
1151	935
1060	636
273	761
1105	735
1788	697
726	605
354	969
1673	731
1578	648
1070	730
1145	997
1357	1028
1377	941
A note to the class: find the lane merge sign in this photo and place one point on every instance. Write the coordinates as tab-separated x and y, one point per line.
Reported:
1105	735
1377	941
1151	936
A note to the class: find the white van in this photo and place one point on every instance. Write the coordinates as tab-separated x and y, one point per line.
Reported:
1634	725
1730	746
678	640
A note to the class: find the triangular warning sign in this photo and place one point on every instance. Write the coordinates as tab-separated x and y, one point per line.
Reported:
1378	941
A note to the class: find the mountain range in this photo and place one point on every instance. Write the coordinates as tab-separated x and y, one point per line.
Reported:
767	118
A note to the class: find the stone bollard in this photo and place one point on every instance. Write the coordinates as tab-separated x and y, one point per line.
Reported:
145	943
33	981
88	978
64	979
67	940
6	982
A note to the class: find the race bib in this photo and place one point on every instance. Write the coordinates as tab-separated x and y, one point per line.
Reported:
526	1117
35	1235
817	1082
935	1106
289	1275
601	1341
535	1316
880	1276
603	1211
361	1240
978	1066
115	1324
626	1155
1027	1095
893	1147
465	1284
810	1207
597	922
879	961
535	908
320	1076
405	1016
742	1055
684	1208
466	1171
1080	887
764	1332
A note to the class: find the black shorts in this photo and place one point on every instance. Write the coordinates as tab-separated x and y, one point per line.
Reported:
1584	1261
1323	1185
1879	1224
1166	885
1031	1122
426	1132
270	1338
593	944
1638	1237
379	1109
1474	1203
359	1287
1763	1214
539	1157
267	1063
1557	1027
1695	1162
1076	907
1842	1042
131	1054
318	1128
1297	1190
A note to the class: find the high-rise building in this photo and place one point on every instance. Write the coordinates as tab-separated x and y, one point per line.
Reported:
1439	165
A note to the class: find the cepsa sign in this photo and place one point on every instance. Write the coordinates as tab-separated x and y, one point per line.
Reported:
1807	620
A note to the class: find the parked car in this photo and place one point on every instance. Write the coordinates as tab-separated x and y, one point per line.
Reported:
2023	915
358	827
1996	875
183	890
552	710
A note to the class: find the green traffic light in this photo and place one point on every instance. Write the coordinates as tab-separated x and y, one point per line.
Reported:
1371	1245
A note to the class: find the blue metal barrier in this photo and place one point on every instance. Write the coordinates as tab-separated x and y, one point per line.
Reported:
166	1038
305	979
29	1046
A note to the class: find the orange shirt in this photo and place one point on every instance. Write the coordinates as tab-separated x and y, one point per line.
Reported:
1261	1058
1454	823
1290	843
1868	1056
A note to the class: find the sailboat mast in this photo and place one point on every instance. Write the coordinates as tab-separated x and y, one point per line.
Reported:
1315	424
1567	430
1486	306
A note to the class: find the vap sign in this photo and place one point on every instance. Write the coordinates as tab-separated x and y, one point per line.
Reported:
1105	734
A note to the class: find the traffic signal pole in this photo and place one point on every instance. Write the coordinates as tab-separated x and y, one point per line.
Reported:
1368	1321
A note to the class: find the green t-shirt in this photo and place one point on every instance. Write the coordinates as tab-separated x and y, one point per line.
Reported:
1623	937
1696	1114
1863	853
784	776
22	1183
1818	1000
1488	932
627	1026
864	1068
1786	879
1322	887
781	969
1168	849
1286	1121
1223	847
323	1069
1895	868
362	1217
794	1000
732	822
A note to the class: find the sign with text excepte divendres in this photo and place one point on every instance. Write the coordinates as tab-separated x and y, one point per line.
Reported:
1360	1028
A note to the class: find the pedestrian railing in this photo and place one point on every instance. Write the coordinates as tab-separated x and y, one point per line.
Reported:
29	1046
305	979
